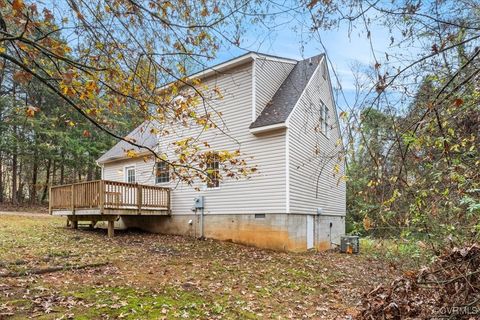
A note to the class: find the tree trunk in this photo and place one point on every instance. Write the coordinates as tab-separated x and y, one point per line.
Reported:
14	176
62	169
47	181
54	172
33	188
20	183
14	158
90	171
1	178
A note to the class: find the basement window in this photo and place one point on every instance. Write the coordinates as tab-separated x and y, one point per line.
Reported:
259	215
162	172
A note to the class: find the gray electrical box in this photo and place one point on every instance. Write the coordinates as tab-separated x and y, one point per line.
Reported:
350	244
199	202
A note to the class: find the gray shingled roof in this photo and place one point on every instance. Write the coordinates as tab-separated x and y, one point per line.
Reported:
283	101
141	135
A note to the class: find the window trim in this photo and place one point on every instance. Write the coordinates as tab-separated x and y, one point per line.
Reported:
217	185
125	173
324	117
166	170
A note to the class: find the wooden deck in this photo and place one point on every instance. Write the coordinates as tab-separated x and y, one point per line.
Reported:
103	197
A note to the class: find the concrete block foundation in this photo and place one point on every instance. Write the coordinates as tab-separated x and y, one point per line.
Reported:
285	232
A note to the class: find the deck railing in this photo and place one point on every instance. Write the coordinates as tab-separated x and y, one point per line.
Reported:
104	194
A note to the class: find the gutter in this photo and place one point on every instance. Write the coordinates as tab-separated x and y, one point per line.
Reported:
271	127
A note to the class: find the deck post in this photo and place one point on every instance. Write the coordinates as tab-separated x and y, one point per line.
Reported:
111	228
102	196
75	224
139	198
72	200
168	201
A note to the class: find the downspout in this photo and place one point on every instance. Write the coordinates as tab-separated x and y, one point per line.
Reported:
199	204
102	168
202	233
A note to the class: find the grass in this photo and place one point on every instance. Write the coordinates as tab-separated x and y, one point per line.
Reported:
411	254
151	276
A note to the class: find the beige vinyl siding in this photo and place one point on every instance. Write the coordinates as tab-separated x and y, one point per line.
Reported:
262	192
144	174
269	76
312	155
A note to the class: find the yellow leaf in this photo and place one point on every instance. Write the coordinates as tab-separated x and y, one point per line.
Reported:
336	169
367	223
131	153
18	5
31	110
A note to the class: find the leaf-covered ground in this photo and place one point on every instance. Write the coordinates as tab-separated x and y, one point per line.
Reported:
151	276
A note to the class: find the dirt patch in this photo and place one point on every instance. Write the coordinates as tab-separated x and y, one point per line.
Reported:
25	208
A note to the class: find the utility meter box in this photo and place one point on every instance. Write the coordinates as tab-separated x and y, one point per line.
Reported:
199	202
349	244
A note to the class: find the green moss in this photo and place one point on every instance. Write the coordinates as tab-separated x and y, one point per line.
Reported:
130	303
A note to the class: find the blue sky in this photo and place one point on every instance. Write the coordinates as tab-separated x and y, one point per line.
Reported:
345	50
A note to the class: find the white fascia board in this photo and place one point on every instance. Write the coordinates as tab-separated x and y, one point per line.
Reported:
124	157
268	128
216	69
284	60
223	66
230	64
334	105
305	90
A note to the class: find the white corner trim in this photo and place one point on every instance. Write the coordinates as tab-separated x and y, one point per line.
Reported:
334	105
268	128
305	89
254	89
287	171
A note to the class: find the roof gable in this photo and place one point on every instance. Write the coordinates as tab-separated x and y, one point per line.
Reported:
141	135
284	100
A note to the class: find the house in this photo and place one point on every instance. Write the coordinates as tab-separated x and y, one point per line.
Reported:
278	111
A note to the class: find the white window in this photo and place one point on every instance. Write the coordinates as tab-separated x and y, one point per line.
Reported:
324	117
130	174
162	172
325	120
213	171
